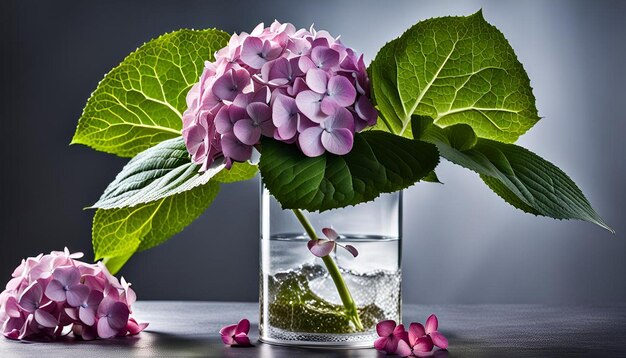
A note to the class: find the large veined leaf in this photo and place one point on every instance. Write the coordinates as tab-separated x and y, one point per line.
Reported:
140	103
454	70
118	233
379	162
517	175
165	170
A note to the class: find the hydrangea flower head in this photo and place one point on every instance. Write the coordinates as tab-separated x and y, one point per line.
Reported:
296	86
50	295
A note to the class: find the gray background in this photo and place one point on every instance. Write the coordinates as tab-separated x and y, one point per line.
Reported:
462	243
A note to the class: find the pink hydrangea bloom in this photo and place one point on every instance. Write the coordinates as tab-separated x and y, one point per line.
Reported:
50	295
296	86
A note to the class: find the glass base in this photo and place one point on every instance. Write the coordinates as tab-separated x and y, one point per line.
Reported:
330	341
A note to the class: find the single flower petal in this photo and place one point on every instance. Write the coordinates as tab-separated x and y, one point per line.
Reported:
431	324
243	327
341	90
423	344
338	141
242	340
310	142
385	328
310	104
77	294
118	315
235	149
86	315
12	307
416	330
330	233
227	334
324	57
31	297
351	249
105	330
321	247
56	291
391	345
284	110
247	132
317	80
403	349
45	319
252	52
380	343
135	328
439	340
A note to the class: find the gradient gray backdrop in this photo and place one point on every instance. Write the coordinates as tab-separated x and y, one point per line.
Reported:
462	244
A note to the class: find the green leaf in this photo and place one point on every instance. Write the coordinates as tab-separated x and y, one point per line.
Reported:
520	177
165	170
455	70
140	103
379	162
118	233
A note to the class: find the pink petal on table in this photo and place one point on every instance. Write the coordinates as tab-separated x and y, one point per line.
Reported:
235	149
55	291
31	297
403	349
135	328
310	104
310	142
423	344
391	345
431	324
385	328
416	330
247	132
321	247
351	249
77	294
227	334
45	319
243	327
330	233
338	141
341	90
242	340
439	340
86	315
380	343
317	80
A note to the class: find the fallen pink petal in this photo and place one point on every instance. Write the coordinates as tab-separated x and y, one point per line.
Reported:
236	334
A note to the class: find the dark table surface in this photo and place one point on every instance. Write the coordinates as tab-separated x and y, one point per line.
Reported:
190	329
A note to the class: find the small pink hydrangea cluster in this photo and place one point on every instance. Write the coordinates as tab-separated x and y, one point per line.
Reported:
55	294
296	86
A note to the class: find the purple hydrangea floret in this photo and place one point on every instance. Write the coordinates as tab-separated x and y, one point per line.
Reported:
296	86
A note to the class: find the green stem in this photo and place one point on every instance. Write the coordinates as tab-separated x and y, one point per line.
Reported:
335	274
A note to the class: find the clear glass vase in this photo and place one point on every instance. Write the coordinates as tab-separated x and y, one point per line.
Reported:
299	301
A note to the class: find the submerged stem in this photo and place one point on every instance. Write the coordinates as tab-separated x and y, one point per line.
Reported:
335	274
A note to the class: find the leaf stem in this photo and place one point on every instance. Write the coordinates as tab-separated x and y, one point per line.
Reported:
335	274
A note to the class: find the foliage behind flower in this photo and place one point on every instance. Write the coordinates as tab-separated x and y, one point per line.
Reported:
301	87
50	293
